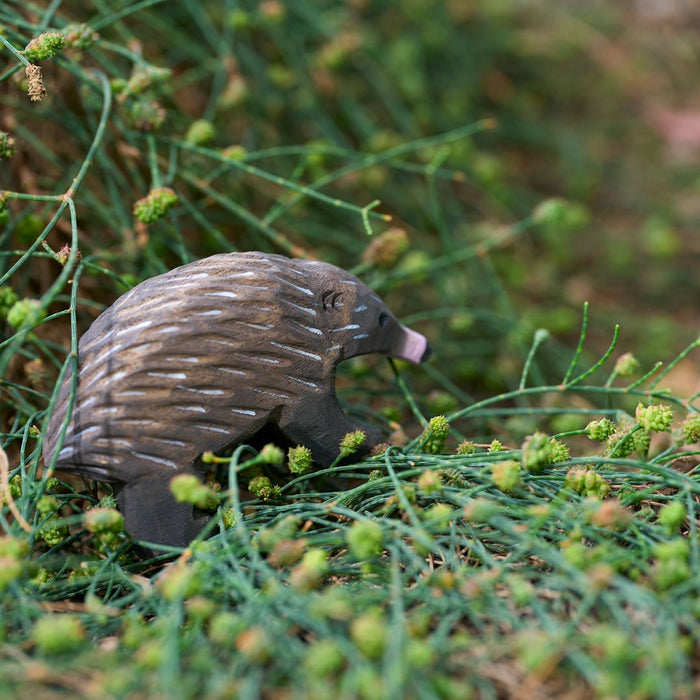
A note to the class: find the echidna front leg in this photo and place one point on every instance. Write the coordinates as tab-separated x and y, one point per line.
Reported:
152	514
320	424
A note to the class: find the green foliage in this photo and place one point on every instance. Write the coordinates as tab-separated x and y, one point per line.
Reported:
361	133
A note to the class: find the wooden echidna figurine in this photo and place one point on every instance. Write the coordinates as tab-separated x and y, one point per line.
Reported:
204	357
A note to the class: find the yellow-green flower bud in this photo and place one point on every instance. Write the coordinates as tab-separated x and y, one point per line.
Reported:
104	521
430	482
600	430
654	418
368	632
364	539
79	36
155	205
299	459
560	215
672	516
200	133
559	451
47	504
435	434
495	446
690	427
187	488
626	365
262	487
323	658
385	250
271	454
235	153
480	510
147	115
536	452
352	442
7	146
26	313
466	447
46	45
14	547
58	633
506	475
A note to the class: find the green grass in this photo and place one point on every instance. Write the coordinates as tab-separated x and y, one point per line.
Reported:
499	552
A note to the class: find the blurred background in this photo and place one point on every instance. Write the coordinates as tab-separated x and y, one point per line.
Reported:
531	156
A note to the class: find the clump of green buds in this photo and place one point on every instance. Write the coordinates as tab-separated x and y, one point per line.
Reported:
641	439
559	214
654	418
506	475
262	487
187	488
385	250
368	632
58	633
146	114
466	447
105	523
672	516
235	152
323	658
430	482
79	36
310	571
14	553
26	313
143	79
600	430
44	46
587	482
271	454
496	446
285	529
671	566
536	452
364	539
690	427
439	514
200	133
627	365
180	581
155	205
7	146
435	434
352	442
621	442
63	255
299	459
8	298
559	451
52	530
480	510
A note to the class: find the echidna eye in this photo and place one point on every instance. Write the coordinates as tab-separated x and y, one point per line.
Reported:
383	320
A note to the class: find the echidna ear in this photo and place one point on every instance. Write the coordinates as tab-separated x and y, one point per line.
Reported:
331	300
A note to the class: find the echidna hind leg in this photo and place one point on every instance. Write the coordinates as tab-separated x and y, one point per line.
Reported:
152	514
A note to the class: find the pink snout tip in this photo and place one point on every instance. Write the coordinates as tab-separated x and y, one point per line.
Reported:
413	347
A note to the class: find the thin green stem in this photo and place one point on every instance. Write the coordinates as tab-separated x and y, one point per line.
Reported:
579	347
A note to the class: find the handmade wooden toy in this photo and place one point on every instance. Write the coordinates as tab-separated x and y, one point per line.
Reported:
205	357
